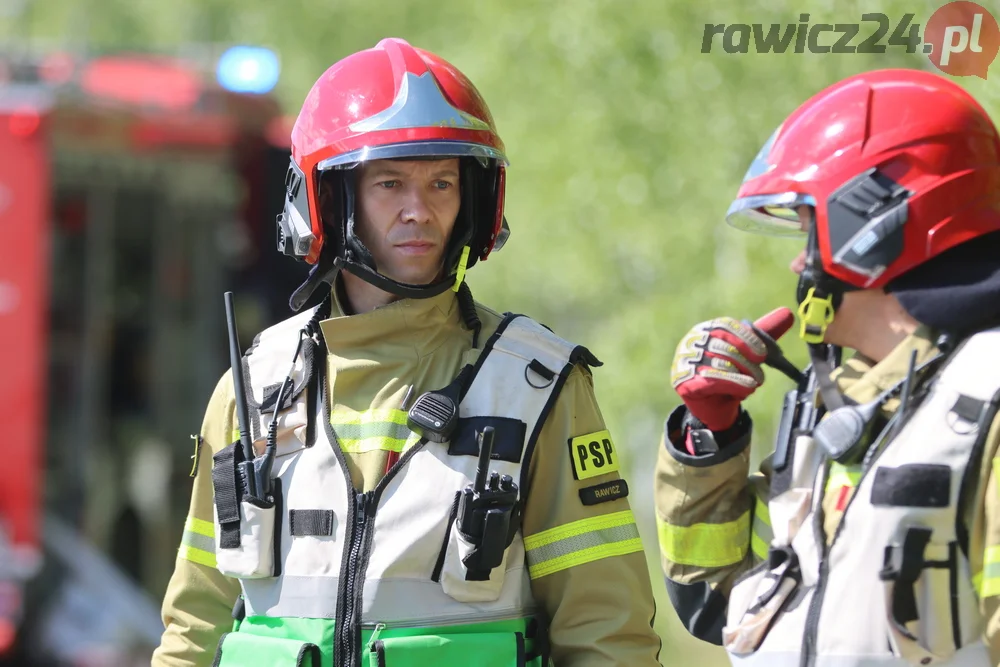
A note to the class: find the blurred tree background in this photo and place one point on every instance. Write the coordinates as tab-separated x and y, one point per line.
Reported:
627	144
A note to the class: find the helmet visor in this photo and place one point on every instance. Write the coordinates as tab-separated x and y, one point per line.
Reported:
773	215
439	148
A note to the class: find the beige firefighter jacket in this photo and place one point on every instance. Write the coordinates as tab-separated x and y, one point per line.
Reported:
715	533
600	607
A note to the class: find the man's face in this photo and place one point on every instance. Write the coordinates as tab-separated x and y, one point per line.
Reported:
406	211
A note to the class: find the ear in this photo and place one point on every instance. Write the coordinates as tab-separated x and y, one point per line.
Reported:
328	200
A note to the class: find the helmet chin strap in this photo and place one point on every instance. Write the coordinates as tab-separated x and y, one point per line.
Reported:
825	358
819	296
326	270
405	290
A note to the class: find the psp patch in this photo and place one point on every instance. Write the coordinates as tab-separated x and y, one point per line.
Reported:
604	493
592	455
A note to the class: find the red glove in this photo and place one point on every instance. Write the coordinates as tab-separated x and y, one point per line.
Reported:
717	365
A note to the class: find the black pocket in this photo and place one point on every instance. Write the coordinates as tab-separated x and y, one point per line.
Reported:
912	485
508	441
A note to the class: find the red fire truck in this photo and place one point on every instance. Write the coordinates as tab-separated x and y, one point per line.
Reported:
134	190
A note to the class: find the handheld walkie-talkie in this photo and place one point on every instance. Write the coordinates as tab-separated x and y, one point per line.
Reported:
488	513
245	467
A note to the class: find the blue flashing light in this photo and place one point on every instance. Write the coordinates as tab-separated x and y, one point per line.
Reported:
248	69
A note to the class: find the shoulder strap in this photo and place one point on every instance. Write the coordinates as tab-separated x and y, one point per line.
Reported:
974	368
973	373
518	376
266	364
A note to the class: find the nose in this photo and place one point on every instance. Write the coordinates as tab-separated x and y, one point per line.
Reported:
415	206
798	264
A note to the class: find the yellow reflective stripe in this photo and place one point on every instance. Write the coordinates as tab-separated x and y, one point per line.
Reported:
198	542
841	475
588	555
361	445
705	544
342	417
372	430
196	555
580	527
200	527
580	542
987	582
761	535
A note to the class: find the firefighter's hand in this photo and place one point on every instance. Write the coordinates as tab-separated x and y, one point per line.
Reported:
717	365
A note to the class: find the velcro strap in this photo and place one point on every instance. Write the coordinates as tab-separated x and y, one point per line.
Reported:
311	522
227	497
541	369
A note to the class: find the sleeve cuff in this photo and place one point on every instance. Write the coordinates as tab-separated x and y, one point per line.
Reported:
720	447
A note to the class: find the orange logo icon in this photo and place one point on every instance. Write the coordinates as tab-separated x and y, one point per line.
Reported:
962	39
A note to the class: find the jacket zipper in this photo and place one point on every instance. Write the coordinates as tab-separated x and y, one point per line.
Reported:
809	641
357	547
348	629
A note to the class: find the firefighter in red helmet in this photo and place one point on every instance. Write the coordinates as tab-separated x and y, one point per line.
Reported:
871	534
431	483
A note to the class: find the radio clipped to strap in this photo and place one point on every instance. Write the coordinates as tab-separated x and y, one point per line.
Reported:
247	498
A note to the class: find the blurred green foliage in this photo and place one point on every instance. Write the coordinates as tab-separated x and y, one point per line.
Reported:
627	144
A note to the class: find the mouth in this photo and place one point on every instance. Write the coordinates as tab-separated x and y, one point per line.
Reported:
415	247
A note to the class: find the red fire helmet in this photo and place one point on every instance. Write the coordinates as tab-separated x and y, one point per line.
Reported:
899	165
392	101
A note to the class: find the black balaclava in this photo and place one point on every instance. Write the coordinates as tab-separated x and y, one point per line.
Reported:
958	291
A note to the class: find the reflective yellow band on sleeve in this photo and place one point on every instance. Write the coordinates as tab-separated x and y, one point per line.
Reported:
372	430
198	542
987	582
761	534
196	555
581	542
705	544
200	527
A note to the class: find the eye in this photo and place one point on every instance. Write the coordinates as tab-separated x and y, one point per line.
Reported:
387	185
443	185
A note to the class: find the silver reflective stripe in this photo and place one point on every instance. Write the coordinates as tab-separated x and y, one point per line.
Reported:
309	597
974	655
419	103
762	535
373	430
390	601
575	543
193	539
